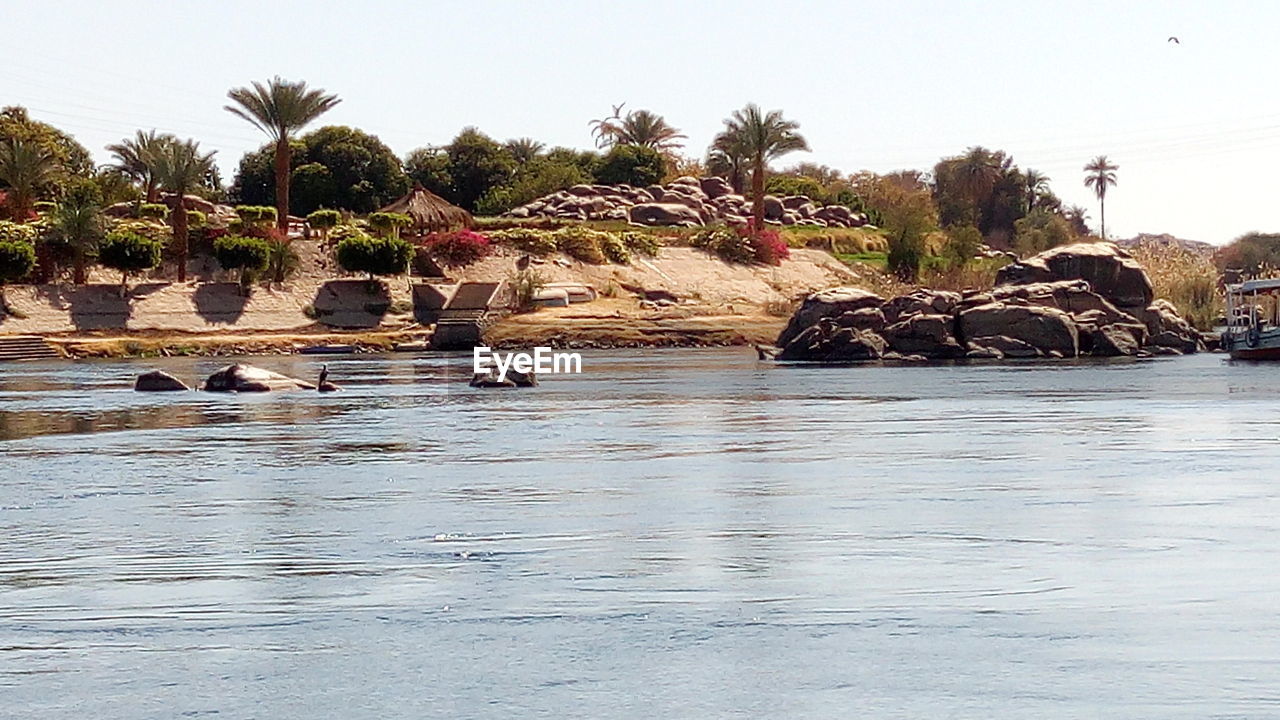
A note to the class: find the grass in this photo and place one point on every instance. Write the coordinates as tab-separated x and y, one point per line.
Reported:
878	260
1186	279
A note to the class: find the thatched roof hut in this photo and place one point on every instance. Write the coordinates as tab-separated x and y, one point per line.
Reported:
429	211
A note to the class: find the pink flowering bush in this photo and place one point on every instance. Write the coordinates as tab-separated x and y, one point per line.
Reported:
457	249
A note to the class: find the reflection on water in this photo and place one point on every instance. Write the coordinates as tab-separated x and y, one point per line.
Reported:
670	534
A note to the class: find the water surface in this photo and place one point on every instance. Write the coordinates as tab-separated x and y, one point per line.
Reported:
684	534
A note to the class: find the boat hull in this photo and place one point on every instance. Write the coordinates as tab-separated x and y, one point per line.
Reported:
1258	353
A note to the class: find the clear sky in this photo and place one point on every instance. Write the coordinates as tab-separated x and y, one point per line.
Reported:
1194	127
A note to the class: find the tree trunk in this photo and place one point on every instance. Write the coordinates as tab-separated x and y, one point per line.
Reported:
1103	202
180	239
282	185
79	275
757	196
153	192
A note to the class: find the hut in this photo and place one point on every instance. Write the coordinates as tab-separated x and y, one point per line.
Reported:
429	212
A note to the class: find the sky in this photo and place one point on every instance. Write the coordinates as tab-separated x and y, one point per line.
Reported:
1194	126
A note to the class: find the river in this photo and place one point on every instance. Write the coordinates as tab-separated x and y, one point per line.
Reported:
670	534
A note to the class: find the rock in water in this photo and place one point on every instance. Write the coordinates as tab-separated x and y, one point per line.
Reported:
1110	272
514	378
829	303
158	381
247	378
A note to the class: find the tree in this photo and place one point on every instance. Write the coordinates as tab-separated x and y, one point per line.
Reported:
1039	231
631	165
78	225
71	157
249	255
133	158
905	208
1078	218
963	244
525	150
26	169
129	252
727	158
762	137
1101	174
1036	185
476	164
638	127
180	166
361	253
279	109
324	221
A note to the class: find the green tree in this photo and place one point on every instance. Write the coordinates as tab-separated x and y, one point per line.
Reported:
476	164
77	225
1101	174
249	255
905	208
129	252
763	137
279	109
727	158
1036	185
324	221
1039	231
632	165
429	167
360	253
963	244
71	157
525	150
637	127
133	158
26	169
179	166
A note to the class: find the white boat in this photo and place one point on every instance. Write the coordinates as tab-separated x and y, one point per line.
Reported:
1253	320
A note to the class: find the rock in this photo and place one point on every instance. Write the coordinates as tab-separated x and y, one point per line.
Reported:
656	192
827	304
550	297
921	300
514	378
795	202
158	381
1003	347
865	319
715	187
328	387
927	335
827	342
1168	330
1108	341
773	209
671	214
247	378
1110	272
1043	328
582	190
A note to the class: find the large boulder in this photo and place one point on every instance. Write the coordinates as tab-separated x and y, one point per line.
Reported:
921	301
927	335
247	378
715	187
1073	296
1168	331
828	303
664	214
1110	272
1049	330
828	342
158	381
773	209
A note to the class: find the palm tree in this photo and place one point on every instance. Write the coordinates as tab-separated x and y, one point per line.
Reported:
637	127
179	166
131	159
77	221
728	159
525	150
1036	185
1101	174
26	168
280	108
762	137
1078	218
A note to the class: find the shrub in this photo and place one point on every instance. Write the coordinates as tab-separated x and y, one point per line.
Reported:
254	215
324	220
963	243
529	240
385	223
1039	231
153	211
129	252
18	232
768	246
524	285
196	219
631	165
249	255
641	243
580	243
612	247
17	260
43	206
1187	279
724	242
360	253
457	249
906	253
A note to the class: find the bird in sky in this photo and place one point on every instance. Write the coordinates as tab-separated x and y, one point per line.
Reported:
1175	40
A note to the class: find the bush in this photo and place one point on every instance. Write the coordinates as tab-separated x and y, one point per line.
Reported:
768	246
249	255
324	219
252	215
457	249
612	247
44	206
631	165
282	260
580	243
17	260
906	253
963	244
529	240
726	243
360	253
641	243
1039	231
129	252
1187	279
18	232
385	223
781	185
524	285
153	211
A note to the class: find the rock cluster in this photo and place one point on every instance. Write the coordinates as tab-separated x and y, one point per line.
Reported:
1088	299
684	202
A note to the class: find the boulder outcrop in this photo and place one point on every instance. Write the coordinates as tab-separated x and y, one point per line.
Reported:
158	381
705	201
1089	299
247	378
